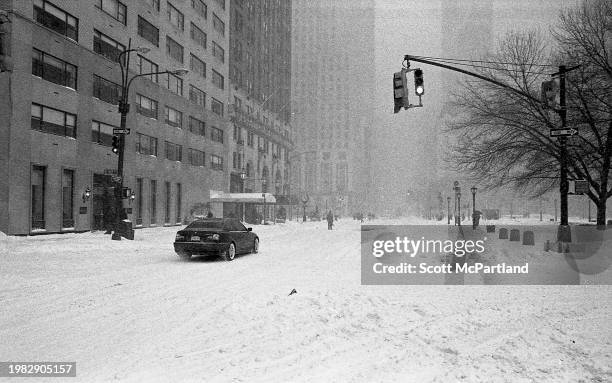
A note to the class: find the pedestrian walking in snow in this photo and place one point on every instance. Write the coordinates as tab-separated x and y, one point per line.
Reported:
330	220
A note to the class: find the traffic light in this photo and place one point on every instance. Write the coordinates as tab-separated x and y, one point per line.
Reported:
419	87
400	93
116	144
126	192
550	92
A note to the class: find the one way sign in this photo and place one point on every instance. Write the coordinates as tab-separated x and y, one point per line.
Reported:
563	132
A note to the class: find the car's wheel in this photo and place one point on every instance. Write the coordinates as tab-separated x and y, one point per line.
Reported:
230	253
255	246
184	255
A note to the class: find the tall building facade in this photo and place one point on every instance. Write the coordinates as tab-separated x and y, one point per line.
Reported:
260	97
59	87
333	77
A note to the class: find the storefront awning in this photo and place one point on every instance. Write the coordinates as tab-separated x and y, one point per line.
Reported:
218	196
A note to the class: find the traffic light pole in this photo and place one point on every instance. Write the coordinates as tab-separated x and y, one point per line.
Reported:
564	233
124	108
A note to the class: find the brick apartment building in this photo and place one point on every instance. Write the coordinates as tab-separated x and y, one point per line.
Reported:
59	91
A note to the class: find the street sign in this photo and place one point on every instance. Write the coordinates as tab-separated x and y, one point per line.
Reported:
563	132
581	187
120	131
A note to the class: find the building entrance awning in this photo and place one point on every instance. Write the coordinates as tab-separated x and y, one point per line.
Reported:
218	196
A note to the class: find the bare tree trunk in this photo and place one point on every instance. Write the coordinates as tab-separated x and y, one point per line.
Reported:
605	171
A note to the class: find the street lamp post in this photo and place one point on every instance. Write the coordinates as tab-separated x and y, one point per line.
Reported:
243	176
124	108
277	185
263	194
304	202
457	209
449	212
459	205
473	190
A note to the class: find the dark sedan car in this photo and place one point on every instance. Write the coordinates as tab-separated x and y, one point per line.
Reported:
216	236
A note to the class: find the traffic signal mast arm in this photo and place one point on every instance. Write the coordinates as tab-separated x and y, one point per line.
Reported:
424	61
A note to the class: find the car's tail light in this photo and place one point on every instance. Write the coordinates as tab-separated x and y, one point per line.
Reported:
179	237
214	237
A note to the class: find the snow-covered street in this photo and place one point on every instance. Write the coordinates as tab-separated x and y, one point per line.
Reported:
132	311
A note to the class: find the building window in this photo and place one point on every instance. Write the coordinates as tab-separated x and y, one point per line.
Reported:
250	139
198	35
197	96
200	7
146	144
106	90
53	121
168	199
107	46
174	49
238	135
55	18
218	80
147	66
153	203
197	66
197	127
68	199
196	157
38	197
154	4
342	177
52	69
218	25
175	17
174	152
216	162
218	52
179	202
174	83
216	106
102	133
238	24
139	200
221	3
148	31
146	106
174	117
113	8
216	134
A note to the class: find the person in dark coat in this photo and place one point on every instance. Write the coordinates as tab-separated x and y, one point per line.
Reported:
330	220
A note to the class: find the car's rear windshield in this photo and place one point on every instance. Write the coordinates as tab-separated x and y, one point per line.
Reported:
206	225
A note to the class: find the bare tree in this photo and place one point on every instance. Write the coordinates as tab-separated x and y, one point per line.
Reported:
584	35
503	136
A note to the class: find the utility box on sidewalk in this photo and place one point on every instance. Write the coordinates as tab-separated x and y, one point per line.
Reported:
125	229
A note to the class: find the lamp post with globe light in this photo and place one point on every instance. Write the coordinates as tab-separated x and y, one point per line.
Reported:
474	219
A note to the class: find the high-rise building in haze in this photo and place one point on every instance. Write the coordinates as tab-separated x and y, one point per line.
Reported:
333	77
260	96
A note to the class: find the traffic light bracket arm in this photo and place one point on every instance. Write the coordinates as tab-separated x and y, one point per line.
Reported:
409	58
